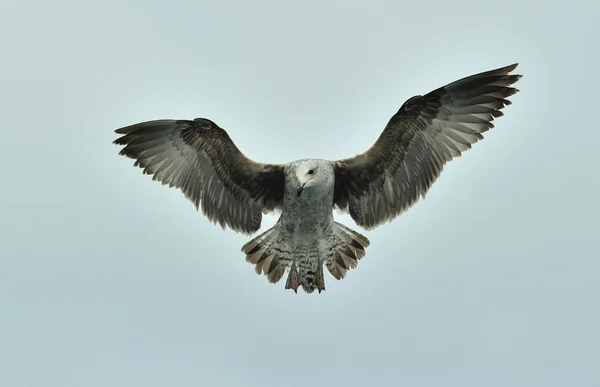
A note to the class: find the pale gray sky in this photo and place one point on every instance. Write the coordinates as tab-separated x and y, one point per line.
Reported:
110	279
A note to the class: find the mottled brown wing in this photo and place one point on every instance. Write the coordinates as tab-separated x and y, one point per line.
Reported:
426	133
200	159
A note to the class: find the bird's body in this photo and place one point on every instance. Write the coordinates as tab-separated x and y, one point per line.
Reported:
199	158
306	237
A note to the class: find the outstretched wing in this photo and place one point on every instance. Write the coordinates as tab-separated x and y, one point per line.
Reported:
426	133
200	159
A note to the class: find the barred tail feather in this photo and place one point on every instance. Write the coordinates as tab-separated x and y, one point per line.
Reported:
349	247
269	254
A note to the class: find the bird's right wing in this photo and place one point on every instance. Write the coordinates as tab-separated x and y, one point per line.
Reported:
200	159
426	133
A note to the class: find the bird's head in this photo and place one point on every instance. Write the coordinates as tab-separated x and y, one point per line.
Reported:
315	178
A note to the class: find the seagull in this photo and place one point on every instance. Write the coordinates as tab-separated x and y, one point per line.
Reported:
199	158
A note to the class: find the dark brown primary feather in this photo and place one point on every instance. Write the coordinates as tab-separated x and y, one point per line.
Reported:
200	159
426	133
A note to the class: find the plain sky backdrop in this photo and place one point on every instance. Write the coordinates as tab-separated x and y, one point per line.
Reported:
110	279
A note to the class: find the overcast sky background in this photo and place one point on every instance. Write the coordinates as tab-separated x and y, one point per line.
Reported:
110	279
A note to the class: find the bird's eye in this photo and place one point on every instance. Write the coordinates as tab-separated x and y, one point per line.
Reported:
311	171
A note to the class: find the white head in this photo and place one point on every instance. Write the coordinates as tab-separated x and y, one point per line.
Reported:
315	178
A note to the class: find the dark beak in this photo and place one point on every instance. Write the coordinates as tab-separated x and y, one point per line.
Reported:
301	189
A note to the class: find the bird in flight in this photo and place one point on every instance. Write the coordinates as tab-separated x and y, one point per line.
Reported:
199	158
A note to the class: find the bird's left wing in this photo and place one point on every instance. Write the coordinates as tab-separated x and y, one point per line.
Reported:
426	133
200	159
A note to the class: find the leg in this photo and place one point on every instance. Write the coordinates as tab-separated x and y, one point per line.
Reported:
320	281
293	280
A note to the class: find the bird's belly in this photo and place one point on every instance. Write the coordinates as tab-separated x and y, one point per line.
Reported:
307	224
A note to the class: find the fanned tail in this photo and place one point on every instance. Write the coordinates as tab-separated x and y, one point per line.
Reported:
349	247
269	254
